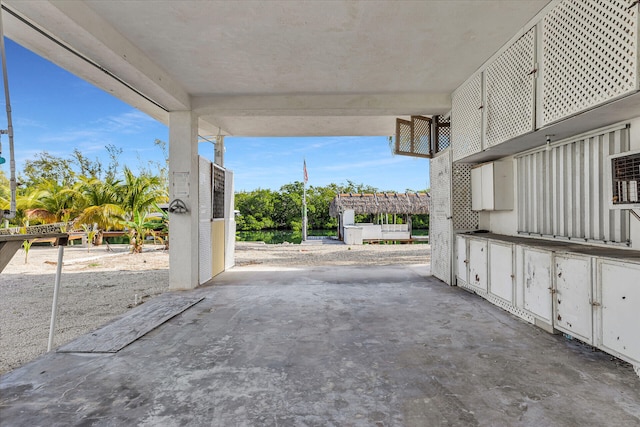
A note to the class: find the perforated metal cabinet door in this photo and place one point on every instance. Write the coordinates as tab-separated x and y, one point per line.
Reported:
501	276
478	263
573	295
466	119
590	55
619	314
510	88
537	269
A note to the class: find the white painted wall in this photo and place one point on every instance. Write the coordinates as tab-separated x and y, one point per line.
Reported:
348	217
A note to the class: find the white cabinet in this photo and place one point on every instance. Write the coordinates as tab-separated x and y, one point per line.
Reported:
471	263
467	114
619	315
536	279
573	297
478	264
492	186
461	259
501	283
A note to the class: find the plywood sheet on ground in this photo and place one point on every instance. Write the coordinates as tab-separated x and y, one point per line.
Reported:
140	321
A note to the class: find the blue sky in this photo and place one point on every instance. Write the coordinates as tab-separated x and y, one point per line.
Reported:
55	111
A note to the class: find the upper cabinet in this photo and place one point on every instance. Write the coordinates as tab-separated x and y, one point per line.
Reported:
492	187
466	118
589	56
510	91
559	77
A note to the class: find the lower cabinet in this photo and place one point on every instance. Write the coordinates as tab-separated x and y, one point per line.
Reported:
536	283
461	260
478	264
591	298
573	296
619	313
501	277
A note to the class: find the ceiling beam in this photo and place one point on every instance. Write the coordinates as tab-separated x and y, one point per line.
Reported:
323	105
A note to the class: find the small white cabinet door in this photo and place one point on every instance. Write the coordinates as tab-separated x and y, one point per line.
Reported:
501	271
476	189
461	259
619	286
573	296
488	196
478	263
492	186
537	283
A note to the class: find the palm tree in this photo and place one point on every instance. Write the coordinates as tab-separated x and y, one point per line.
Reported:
52	202
101	204
139	193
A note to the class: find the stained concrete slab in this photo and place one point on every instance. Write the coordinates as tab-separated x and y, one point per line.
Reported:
330	346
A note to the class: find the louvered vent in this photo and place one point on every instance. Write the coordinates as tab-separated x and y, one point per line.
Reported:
625	180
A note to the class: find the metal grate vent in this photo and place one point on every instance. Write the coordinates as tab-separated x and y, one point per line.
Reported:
403	136
413	138
440	230
590	55
625	171
510	83
218	191
463	217
443	134
421	136
466	119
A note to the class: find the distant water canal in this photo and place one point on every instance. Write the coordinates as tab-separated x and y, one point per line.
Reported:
281	236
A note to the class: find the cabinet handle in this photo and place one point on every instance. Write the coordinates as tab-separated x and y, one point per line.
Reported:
552	291
513	276
596	304
466	261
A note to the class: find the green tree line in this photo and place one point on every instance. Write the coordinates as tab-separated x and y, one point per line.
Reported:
89	193
265	209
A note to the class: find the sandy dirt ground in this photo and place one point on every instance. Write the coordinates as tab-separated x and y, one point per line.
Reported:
100	285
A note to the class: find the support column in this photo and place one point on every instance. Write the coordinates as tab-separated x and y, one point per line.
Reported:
219	151
183	185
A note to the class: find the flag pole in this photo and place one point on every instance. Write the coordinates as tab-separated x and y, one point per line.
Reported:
304	202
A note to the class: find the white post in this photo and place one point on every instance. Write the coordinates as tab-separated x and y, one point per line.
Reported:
56	291
183	186
304	212
219	151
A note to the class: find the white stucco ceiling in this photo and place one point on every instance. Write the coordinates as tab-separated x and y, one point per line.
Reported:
277	67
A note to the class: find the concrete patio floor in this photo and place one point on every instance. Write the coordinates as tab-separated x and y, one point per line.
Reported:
330	346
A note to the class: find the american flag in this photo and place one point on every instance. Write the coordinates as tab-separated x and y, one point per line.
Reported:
306	176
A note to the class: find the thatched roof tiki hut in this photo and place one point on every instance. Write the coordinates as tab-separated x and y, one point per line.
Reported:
382	205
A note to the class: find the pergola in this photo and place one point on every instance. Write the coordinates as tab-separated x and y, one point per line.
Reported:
381	203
